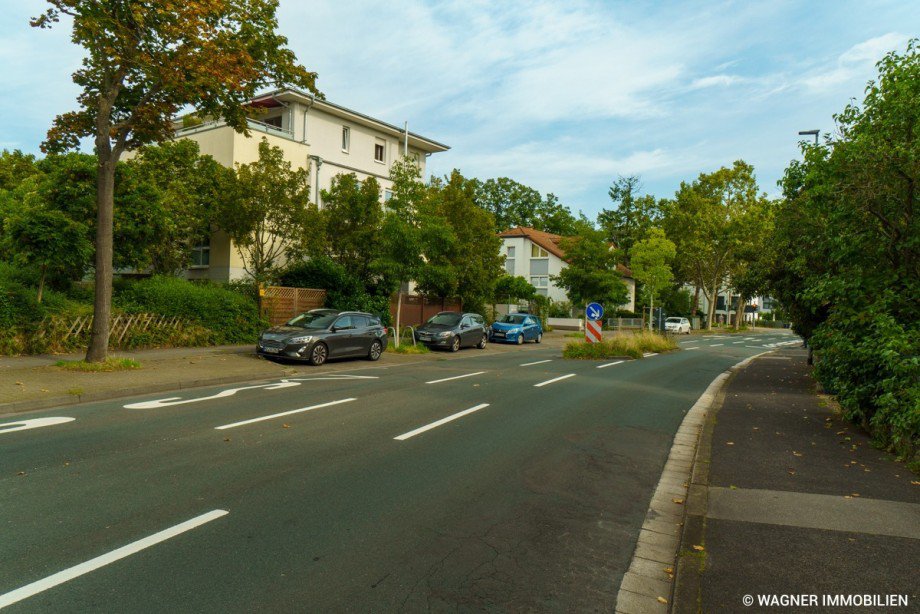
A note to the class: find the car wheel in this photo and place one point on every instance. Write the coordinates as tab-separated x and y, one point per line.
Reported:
482	342
539	338
455	344
376	351
520	339
319	354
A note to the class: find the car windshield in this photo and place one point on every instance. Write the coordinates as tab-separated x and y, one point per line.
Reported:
512	319
447	319
673	320
313	320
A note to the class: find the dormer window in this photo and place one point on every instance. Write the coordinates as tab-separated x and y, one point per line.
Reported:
538	252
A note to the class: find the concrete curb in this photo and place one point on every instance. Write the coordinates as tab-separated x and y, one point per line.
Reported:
647	584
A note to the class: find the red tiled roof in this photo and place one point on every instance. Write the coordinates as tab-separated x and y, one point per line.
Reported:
549	242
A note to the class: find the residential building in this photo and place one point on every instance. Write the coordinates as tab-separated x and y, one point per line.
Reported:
537	256
314	134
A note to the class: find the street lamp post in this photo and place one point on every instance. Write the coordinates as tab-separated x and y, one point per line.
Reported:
813	133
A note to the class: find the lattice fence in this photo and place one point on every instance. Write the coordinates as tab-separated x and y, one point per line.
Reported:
58	334
281	303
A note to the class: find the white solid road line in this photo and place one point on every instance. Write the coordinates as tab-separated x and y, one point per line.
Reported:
647	354
447	379
438	423
609	364
282	414
695	347
737	342
555	379
100	561
539	362
34	423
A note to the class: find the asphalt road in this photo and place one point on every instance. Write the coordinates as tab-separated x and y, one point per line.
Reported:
530	498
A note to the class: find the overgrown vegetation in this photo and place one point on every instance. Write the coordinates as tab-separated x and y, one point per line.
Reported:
845	257
633	345
109	364
408	348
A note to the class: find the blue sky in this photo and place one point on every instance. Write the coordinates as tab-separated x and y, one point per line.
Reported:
562	96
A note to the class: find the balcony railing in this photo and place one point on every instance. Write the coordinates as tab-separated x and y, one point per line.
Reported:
252	124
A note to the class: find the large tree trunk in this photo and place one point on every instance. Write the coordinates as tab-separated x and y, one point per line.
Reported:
739	312
105	205
696	300
712	304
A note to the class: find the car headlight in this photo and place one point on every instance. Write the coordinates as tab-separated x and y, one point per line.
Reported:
305	339
445	334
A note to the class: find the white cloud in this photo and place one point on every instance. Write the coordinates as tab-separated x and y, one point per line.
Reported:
714	81
856	63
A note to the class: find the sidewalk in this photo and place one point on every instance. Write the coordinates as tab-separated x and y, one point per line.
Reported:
789	500
33	382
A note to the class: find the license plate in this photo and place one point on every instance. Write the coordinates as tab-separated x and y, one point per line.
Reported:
424	337
499	334
271	350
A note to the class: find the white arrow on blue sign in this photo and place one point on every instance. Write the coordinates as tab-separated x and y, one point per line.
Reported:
594	311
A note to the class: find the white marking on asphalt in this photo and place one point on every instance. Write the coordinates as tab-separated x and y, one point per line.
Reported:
539	362
438	423
555	379
695	347
609	364
715	345
282	414
285	383
100	561
647	354
447	379
737	342
34	423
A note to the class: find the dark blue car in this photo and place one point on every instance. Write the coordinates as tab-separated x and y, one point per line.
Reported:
517	328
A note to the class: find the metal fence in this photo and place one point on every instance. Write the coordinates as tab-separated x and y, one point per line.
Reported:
625	323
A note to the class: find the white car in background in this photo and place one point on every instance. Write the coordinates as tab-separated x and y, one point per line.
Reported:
677	326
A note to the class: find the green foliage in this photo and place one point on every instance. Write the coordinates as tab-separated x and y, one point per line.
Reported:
228	316
676	301
651	258
845	255
343	288
109	364
513	204
591	273
633	345
353	217
632	218
510	288
560	309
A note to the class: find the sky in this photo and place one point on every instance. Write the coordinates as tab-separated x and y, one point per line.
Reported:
562	96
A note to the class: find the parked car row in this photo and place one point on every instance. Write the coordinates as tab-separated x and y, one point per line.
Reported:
322	334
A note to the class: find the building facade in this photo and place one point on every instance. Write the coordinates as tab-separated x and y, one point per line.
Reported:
537	256
314	134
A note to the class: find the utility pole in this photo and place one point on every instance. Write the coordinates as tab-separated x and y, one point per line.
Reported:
813	133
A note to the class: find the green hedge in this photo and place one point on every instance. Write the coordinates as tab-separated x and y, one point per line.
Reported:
229	316
343	289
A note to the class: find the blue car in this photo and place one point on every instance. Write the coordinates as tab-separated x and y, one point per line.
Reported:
517	328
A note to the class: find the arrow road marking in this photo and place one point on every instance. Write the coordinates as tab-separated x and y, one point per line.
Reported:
34	423
285	383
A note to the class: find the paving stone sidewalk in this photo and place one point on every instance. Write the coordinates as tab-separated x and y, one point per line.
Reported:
787	499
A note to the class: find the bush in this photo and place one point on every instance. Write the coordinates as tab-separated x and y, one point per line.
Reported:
560	309
633	345
228	316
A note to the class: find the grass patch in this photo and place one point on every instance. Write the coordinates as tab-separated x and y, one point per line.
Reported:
109	364
575	335
408	348
633	345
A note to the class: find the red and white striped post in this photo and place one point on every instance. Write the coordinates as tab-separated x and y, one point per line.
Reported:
592	331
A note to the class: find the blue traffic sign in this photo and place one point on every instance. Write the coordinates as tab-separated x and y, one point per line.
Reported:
594	311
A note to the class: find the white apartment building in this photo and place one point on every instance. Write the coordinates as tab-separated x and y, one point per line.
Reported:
537	256
314	134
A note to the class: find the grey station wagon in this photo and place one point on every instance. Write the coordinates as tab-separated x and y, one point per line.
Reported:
323	334
451	330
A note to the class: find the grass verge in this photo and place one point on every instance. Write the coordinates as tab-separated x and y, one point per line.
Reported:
109	364
633	345
408	348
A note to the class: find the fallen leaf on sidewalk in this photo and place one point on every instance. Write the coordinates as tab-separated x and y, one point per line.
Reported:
729	443
285	426
678	501
698	548
852	462
854	494
19	384
669	570
914	482
21	473
790	471
797	454
226	439
662	600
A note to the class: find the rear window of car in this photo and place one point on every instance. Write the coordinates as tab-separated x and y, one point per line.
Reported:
372	321
675	320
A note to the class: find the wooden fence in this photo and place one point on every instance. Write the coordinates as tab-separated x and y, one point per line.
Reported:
417	309
61	334
280	303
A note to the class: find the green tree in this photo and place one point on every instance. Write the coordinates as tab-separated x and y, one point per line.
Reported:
651	258
353	219
15	167
268	213
513	204
631	219
591	274
50	241
144	63
510	288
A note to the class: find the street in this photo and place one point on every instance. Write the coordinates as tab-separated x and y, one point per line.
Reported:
510	480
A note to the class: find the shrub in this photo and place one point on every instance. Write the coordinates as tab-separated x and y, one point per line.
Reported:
559	309
633	345
228	316
343	289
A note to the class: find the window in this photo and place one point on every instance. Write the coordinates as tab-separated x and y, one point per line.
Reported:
344	322
539	281
509	266
346	138
359	321
538	252
380	151
511	251
387	195
201	253
273	121
466	321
